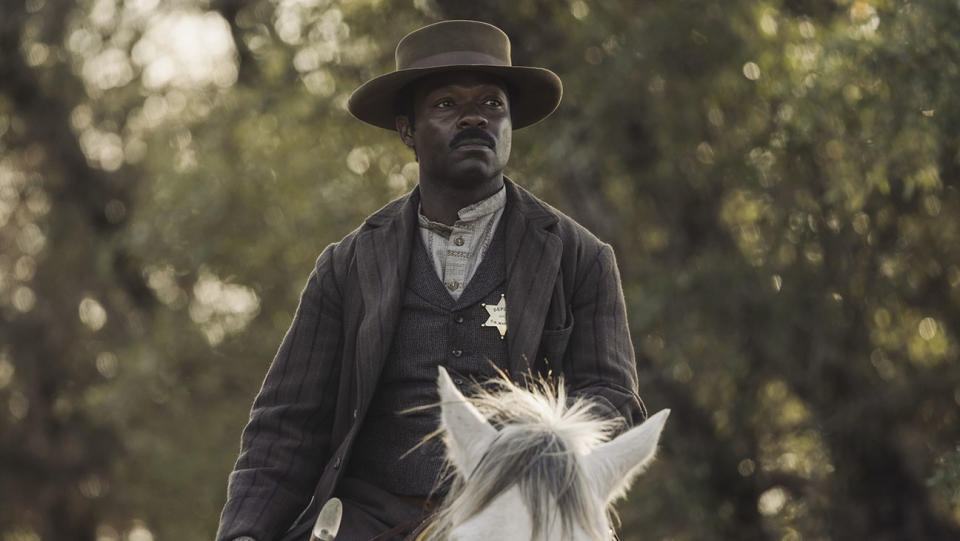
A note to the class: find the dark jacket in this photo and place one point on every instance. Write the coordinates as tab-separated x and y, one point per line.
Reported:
565	312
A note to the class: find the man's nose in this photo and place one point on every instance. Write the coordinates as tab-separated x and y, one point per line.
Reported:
472	118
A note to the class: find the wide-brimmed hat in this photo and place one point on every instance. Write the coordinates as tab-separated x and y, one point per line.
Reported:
455	46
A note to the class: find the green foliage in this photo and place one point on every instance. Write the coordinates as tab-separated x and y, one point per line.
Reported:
779	179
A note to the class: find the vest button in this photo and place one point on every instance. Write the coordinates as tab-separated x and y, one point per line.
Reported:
452	285
458	319
456	353
458	241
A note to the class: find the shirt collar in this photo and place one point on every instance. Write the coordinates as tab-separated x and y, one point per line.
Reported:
485	206
470	213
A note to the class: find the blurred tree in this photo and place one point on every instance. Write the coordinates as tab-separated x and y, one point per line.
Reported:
779	179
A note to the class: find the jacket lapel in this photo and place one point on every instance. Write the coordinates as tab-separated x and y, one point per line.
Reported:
383	257
533	262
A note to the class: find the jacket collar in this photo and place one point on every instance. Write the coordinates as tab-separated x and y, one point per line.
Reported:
395	209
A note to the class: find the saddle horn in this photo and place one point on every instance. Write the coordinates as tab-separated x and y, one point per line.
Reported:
328	522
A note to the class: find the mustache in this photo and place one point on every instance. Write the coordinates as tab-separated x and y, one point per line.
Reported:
473	133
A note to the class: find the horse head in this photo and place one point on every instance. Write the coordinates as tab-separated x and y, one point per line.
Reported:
529	466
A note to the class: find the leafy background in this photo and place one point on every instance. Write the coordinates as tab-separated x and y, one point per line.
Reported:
779	178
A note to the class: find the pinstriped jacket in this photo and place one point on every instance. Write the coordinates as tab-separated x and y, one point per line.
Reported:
565	309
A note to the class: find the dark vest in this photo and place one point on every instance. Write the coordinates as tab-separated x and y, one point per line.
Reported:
433	329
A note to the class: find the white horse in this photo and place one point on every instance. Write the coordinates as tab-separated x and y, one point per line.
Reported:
529	467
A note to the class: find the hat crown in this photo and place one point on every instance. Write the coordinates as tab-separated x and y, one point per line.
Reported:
455	42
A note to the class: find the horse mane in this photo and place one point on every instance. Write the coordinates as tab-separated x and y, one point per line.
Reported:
538	447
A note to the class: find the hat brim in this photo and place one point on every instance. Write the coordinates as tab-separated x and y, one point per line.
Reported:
534	93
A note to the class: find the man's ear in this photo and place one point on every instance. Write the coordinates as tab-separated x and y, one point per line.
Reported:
405	129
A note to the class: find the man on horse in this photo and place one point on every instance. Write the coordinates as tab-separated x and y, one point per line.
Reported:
468	271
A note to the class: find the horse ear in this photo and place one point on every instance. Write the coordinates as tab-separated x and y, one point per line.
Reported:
613	465
468	433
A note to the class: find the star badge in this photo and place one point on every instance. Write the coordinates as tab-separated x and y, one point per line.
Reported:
498	316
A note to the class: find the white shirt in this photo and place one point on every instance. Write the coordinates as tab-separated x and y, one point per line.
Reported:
457	250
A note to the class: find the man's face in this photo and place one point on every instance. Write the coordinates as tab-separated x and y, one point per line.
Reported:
463	130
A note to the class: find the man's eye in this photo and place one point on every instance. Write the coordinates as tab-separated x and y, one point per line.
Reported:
493	102
443	104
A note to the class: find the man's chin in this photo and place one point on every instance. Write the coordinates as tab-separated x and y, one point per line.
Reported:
476	166
475	171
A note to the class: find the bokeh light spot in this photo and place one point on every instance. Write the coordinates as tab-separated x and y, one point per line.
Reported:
320	83
220	308
107	364
31	239
927	328
772	501
187	50
579	9
105	532
768	25
92	314
358	160
19	405
24	299
7	371
109	69
140	532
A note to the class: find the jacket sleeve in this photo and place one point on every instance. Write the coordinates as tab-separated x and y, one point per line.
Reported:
599	363
287	439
